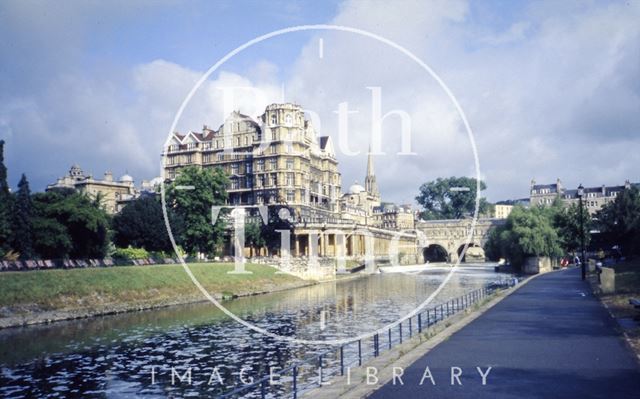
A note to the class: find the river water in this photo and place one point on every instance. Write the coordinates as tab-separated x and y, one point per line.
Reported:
133	354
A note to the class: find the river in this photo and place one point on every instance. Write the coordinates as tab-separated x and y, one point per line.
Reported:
132	354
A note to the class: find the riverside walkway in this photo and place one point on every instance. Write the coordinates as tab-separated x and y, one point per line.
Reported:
550	339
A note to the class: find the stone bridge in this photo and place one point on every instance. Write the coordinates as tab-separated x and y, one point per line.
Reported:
445	239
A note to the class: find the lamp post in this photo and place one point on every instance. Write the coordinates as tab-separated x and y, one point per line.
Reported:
583	265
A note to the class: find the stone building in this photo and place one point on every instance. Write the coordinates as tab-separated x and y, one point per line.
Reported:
594	198
502	211
115	194
278	159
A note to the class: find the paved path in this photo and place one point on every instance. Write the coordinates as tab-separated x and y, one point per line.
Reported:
550	339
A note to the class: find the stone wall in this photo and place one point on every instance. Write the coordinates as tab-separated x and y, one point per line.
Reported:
537	264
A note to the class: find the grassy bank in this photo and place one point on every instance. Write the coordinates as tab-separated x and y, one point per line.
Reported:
627	286
41	295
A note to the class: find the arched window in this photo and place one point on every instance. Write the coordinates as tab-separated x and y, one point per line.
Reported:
288	120
274	119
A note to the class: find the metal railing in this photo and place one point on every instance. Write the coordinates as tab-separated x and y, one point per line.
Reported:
315	370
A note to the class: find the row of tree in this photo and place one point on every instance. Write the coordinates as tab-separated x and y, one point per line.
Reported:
64	223
556	230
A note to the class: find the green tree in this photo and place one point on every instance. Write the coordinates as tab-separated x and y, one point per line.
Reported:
6	202
141	225
192	207
527	232
23	220
621	220
253	236
451	198
277	222
566	220
69	224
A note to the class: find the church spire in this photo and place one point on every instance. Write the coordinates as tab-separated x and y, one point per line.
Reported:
370	184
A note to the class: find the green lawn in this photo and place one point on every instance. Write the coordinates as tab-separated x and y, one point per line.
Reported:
81	288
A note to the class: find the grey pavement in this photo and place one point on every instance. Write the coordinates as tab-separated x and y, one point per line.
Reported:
550	339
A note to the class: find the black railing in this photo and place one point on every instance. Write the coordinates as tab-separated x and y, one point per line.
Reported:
355	353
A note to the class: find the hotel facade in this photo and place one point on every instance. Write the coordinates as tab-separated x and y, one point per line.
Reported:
279	159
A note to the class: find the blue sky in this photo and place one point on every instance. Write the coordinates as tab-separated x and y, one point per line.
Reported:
540	82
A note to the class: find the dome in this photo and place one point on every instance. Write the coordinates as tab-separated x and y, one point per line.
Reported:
126	179
356	189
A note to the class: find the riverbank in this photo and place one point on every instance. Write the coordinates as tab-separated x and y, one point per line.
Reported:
44	296
627	283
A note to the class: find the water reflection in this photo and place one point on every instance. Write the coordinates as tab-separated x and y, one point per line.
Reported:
114	356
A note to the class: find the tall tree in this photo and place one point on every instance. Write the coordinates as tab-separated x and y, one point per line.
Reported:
69	224
253	236
621	220
141	225
6	202
23	220
527	232
566	220
451	198
192	207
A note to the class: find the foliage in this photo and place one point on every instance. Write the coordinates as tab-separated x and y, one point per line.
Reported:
621	219
440	200
69	224
22	220
131	253
566	220
141	224
192	208
527	232
6	202
272	231
253	235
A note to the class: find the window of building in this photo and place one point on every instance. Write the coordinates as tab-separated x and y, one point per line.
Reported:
273	164
249	182
189	158
234	168
289	164
259	198
220	156
261	181
273	135
246	140
290	179
192	146
272	149
235	184
260	165
291	196
248	168
272	179
288	120
274	119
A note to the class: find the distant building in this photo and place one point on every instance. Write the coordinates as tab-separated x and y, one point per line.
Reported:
594	198
115	194
394	217
502	211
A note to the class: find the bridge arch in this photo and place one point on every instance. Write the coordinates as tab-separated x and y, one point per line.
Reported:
435	253
474	252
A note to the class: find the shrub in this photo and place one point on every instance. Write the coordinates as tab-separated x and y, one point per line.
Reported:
130	253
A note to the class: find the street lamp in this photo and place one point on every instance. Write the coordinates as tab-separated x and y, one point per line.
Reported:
583	265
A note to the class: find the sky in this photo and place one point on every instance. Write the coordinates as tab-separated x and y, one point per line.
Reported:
549	89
